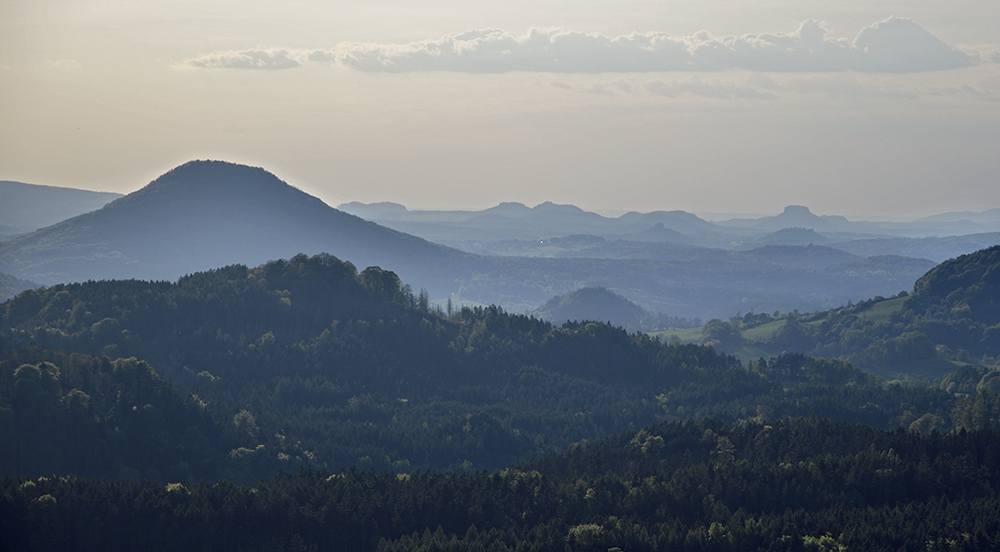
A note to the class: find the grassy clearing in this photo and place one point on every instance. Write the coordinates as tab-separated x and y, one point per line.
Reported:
877	312
685	335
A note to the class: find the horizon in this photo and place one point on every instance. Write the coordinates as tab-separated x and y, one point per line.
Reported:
711	216
871	109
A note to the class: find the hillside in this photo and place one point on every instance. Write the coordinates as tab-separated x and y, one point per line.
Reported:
341	368
28	207
806	484
951	318
964	287
592	303
206	214
96	417
11	286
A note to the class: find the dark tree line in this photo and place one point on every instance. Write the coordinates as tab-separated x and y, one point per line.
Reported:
804	484
239	372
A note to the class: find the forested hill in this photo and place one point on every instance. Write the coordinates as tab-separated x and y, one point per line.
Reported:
964	287
308	361
11	286
206	214
799	485
951	318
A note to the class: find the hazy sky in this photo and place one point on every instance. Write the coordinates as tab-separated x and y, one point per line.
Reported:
862	108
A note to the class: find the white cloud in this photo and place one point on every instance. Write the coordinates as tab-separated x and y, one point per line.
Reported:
901	46
894	45
257	58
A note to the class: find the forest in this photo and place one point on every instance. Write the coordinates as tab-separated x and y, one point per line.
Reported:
305	405
308	361
804	484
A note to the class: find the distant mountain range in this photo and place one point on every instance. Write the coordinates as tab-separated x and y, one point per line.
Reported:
208	214
491	231
28	207
11	286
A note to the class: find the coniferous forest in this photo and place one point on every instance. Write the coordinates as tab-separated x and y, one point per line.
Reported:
306	405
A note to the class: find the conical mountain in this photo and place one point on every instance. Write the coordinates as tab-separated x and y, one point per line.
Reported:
592	303
798	216
207	214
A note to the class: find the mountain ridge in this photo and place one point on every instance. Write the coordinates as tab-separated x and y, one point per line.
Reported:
205	214
28	207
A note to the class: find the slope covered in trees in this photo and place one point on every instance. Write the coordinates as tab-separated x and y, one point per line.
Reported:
340	368
805	484
11	286
951	318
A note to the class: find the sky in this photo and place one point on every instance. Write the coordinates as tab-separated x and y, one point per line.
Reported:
870	109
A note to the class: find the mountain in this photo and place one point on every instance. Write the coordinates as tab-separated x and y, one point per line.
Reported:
658	233
206	214
11	286
787	236
794	216
372	210
937	249
982	217
679	221
592	303
808	256
28	207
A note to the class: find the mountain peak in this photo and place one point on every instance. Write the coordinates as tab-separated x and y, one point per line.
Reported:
591	303
205	214
550	206
798	211
203	175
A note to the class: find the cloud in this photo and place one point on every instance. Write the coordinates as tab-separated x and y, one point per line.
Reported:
714	89
901	46
66	64
247	59
894	45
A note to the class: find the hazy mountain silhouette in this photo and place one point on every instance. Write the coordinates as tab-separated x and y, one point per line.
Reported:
206	214
28	207
11	286
592	303
786	236
679	221
659	233
806	256
795	216
936	249
988	216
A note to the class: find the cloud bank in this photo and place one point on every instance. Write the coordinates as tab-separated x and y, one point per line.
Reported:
247	59
894	45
